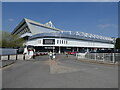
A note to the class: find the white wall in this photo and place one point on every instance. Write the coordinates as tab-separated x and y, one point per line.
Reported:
71	43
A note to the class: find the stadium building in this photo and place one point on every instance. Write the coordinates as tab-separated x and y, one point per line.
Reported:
45	37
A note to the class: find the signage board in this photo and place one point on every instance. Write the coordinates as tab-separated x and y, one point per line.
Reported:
49	41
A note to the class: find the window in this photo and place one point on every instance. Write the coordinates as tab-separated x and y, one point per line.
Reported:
21	32
57	41
62	41
66	42
48	41
26	29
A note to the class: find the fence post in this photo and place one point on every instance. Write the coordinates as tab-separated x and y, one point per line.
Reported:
103	56
95	57
24	57
87	56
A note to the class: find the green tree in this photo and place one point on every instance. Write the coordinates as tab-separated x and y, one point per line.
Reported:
117	45
9	41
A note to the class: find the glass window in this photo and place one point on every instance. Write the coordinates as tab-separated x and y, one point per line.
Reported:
48	41
66	42
57	41
24	30
62	41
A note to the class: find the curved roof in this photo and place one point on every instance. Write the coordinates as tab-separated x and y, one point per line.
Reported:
74	35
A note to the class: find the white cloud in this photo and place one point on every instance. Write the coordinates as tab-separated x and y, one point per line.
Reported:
103	26
11	19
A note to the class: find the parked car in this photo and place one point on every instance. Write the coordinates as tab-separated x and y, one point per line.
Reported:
71	53
80	53
41	53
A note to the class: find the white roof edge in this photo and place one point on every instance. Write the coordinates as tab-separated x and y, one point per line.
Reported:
24	19
28	20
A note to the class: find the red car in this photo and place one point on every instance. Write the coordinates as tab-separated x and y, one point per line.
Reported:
41	53
71	53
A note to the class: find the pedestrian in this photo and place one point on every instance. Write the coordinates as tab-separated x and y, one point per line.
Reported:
34	54
66	54
51	55
31	53
25	52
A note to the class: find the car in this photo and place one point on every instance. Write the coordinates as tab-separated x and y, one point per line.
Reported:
81	53
41	53
71	53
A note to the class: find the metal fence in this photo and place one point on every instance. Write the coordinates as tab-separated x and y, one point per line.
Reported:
105	57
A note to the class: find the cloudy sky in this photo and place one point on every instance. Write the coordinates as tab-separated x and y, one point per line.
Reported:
99	18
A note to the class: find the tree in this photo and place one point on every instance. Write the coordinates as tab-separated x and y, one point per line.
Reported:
117	45
9	41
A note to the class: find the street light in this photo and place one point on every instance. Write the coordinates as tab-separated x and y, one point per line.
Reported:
59	43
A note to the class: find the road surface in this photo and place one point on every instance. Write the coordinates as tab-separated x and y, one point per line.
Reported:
64	72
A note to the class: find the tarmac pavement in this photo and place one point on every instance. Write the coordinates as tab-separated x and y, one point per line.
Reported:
63	72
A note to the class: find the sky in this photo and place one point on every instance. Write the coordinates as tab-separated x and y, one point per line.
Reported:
100	18
60	0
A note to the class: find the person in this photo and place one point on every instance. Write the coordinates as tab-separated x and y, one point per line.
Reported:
33	50
34	54
53	55
50	55
25	51
31	53
66	54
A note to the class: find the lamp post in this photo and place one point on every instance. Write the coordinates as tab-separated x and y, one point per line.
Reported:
59	44
114	50
53	49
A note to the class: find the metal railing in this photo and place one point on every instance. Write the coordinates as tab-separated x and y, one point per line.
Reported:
105	57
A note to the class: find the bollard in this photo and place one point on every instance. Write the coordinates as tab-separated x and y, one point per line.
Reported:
24	57
8	57
16	56
95	57
0	57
